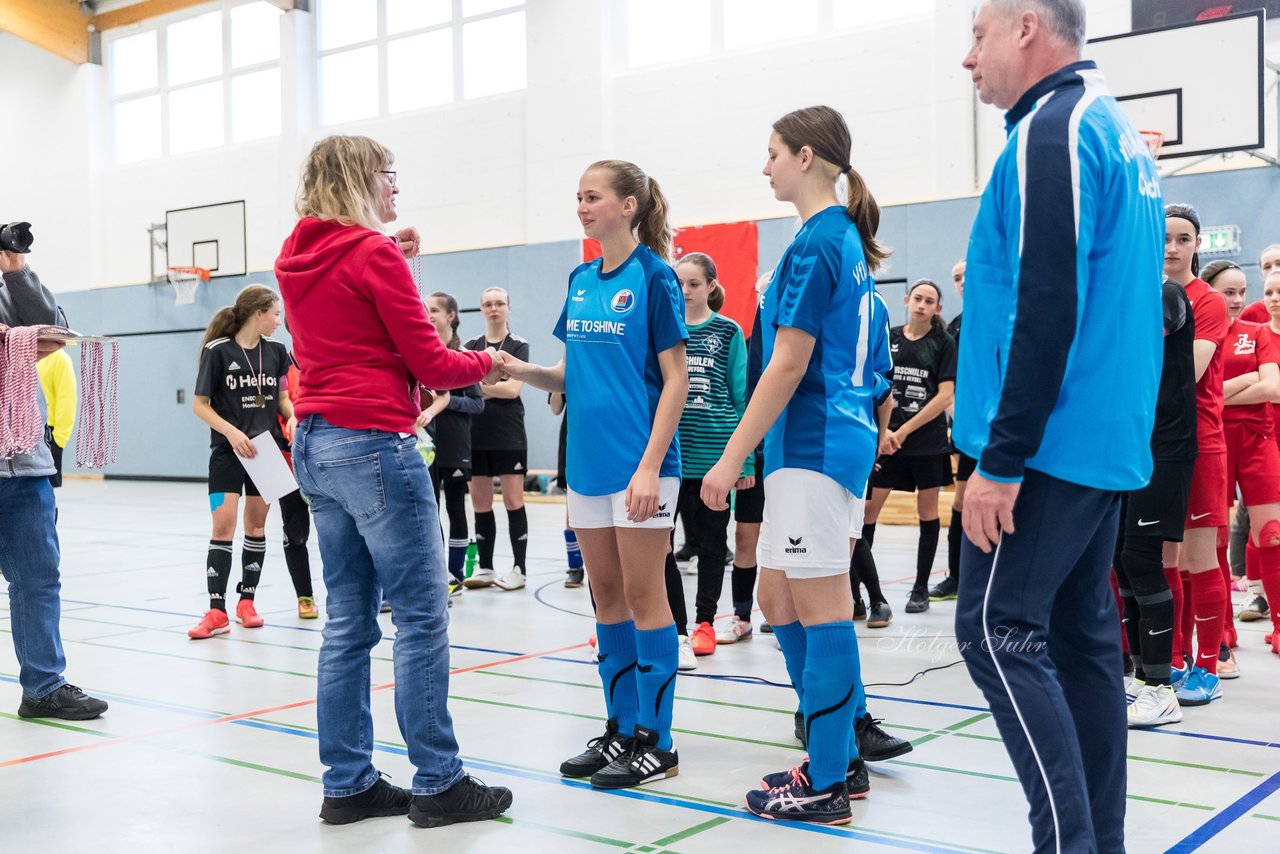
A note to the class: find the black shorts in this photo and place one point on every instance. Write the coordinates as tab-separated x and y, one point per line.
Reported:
227	474
965	466
748	504
498	463
447	474
1159	509
907	474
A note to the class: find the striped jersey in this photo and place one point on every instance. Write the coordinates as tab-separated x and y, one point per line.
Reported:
717	358
822	286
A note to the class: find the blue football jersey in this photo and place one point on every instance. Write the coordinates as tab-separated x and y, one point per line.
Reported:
823	286
613	327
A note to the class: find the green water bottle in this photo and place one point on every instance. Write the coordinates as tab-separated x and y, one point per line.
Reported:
471	558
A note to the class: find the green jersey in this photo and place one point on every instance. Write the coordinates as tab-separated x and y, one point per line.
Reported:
717	359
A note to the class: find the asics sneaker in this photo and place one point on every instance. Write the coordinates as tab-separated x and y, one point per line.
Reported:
856	779
798	801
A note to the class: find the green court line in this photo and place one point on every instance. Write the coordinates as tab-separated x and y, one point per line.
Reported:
693	831
1264	816
49	722
257	667
560	831
596	687
1164	802
953	728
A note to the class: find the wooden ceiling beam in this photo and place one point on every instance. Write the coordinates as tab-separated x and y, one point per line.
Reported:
53	25
139	12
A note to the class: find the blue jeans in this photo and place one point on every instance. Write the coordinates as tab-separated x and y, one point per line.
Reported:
379	528
29	558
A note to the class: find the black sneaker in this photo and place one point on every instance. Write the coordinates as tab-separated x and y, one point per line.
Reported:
600	751
67	702
945	590
1255	608
876	745
573	578
798	801
918	601
859	609
641	763
684	553
766	629
879	615
857	782
798	719
466	800
380	799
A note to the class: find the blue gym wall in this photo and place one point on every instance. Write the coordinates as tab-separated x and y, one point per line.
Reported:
160	437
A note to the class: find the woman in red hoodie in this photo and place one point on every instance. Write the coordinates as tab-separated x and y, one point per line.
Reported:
363	339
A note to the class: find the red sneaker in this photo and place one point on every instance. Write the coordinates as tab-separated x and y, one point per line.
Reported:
215	622
704	639
247	616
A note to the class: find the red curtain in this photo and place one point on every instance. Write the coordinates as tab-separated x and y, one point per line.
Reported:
734	246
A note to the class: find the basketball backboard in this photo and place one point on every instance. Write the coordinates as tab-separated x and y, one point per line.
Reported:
1200	84
209	236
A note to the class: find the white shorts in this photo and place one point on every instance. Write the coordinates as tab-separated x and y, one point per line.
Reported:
808	520
859	514
610	511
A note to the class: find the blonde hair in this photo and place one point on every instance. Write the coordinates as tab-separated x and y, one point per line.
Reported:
650	224
340	180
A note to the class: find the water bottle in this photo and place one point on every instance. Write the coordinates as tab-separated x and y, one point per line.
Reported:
472	552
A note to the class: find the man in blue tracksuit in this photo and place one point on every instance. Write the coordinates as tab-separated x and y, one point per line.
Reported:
1055	398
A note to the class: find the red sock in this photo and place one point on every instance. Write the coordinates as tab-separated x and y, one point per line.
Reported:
1252	569
1174	578
1269	568
1207	593
1228	615
1188	619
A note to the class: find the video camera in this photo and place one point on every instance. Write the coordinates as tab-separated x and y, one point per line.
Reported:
16	237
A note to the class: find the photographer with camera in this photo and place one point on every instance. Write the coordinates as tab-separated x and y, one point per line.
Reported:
29	552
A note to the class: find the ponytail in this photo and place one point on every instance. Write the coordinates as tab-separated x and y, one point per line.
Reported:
715	299
865	213
223	325
228	320
651	223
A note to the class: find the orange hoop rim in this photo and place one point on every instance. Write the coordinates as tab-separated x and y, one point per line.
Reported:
1154	140
197	272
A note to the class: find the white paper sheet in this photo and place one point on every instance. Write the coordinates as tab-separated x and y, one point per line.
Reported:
269	471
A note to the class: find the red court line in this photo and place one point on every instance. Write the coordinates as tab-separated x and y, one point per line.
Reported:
98	745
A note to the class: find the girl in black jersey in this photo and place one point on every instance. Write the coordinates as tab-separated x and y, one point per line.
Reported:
949	587
915	454
499	449
239	395
448	419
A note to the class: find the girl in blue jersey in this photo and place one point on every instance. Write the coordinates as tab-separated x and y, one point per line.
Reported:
624	368
825	356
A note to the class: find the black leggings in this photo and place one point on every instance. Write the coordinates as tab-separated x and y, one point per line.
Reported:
710	532
296	517
1148	606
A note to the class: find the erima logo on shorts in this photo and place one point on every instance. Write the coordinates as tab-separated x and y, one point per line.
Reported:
623	301
663	512
796	548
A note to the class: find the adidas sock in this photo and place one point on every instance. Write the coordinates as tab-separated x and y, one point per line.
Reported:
795	645
252	553
657	653
616	649
218	573
518	529
1174	578
742	584
675	595
573	551
926	551
830	680
868	574
458	557
486	532
1207	594
955	535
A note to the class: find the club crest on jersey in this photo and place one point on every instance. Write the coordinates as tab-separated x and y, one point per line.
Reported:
1245	346
623	301
712	344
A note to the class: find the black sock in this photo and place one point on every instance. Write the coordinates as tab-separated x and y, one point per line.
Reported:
253	552
518	527
868	574
869	534
955	535
1153	603
742	585
855	586
926	550
218	573
486	531
297	529
675	595
298	563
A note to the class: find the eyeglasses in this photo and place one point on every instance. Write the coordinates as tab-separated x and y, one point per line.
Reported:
391	176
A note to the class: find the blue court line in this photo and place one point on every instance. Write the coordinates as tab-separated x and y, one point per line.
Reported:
1225	817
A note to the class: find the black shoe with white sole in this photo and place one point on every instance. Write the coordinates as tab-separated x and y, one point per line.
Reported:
642	763
601	751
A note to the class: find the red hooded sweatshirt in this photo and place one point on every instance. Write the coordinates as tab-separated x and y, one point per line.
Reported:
360	331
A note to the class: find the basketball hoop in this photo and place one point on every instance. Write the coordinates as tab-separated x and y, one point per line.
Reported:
1154	140
186	281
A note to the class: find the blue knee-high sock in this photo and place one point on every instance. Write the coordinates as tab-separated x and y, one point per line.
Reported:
616	648
571	548
830	683
457	557
795	644
658	654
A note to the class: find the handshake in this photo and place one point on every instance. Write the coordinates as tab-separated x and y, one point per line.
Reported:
505	367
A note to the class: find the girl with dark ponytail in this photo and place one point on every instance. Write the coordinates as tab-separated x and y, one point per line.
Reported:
239	395
915	453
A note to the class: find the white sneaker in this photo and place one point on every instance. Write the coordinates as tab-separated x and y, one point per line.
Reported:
733	631
479	578
687	660
691	568
1131	687
1156	705
513	580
